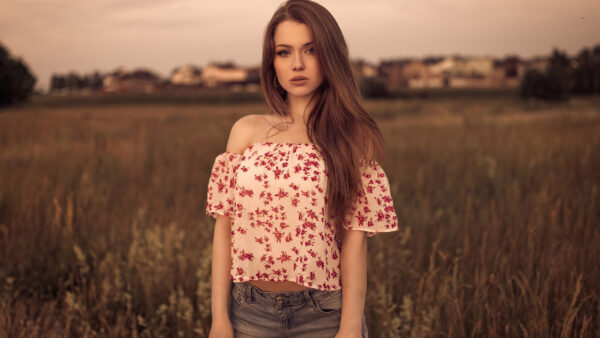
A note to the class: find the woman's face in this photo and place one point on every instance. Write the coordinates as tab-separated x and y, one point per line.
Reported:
295	62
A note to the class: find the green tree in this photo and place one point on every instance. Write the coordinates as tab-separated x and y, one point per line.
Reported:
554	84
535	84
564	76
16	81
586	76
57	82
559	75
373	88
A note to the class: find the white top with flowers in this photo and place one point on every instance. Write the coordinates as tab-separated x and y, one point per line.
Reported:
274	194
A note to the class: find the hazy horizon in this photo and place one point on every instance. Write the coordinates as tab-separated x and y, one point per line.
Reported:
58	36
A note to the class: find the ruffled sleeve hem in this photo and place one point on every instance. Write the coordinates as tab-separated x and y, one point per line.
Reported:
374	210
221	185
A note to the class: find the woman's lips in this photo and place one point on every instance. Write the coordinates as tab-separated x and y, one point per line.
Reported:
299	81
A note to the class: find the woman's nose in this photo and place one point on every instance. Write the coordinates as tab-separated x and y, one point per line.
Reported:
298	62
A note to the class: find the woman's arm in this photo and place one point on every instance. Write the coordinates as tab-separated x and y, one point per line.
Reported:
239	138
220	270
354	281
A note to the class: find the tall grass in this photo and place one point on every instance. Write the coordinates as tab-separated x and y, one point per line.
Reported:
103	232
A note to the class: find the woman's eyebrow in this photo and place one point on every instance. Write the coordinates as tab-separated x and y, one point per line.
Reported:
284	45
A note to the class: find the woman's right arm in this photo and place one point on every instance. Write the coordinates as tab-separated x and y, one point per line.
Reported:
220	270
239	138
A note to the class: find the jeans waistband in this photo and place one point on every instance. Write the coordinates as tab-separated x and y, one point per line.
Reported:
309	295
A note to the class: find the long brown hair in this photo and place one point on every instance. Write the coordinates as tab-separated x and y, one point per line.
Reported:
338	125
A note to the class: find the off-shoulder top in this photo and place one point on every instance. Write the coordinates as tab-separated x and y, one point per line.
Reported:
274	194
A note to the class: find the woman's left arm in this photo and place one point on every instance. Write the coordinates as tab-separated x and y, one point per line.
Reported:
354	282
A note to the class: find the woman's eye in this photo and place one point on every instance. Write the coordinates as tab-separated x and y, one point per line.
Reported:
282	52
310	50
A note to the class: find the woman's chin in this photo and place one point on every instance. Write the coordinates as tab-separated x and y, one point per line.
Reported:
300	92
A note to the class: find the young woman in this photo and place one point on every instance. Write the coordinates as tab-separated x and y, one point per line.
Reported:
298	191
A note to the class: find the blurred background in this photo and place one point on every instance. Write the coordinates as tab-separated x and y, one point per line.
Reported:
112	112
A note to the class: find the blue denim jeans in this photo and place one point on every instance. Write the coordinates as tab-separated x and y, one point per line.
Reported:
308	313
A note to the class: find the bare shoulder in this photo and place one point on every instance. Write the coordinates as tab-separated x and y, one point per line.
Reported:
242	133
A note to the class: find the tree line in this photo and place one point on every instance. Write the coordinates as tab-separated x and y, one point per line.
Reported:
16	80
73	81
564	76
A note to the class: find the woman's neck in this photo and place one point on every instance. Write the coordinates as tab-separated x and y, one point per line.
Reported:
299	108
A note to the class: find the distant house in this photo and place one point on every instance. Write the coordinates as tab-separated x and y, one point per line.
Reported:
391	73
508	72
471	72
223	75
416	75
362	70
187	75
441	66
461	72
430	72
252	83
137	81
538	62
473	67
439	70
367	70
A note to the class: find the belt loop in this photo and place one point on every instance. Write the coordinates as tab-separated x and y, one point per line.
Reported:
248	292
245	290
308	296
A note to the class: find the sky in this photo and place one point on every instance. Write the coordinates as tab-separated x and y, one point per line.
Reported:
59	36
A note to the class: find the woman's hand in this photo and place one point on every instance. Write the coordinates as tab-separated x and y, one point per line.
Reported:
221	329
348	334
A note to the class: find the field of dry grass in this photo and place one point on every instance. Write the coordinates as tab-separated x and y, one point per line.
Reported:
103	232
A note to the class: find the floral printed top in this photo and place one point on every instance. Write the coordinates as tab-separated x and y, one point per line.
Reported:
274	194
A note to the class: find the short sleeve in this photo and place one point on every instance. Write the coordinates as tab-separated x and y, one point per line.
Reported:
221	185
373	211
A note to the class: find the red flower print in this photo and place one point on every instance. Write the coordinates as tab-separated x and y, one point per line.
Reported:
221	186
278	234
277	172
310	225
245	256
281	194
284	257
270	181
246	192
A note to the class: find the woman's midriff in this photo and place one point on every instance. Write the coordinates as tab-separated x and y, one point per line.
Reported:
269	286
